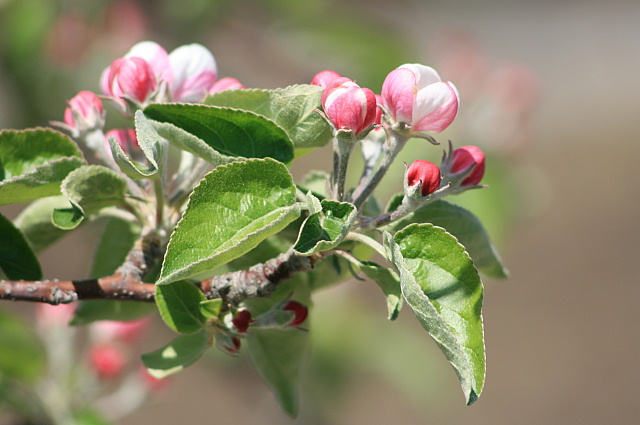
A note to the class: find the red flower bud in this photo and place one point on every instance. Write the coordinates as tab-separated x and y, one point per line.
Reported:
226	83
129	77
299	310
126	138
349	106
242	320
466	157
86	108
426	172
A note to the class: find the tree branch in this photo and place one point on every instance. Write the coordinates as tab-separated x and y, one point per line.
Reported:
126	284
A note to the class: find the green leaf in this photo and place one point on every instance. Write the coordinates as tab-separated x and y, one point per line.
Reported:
21	354
231	132
326	229
210	309
33	163
118	237
179	305
151	145
175	356
389	282
17	260
233	209
466	227
278	355
190	143
124	311
443	288
36	224
89	189
293	108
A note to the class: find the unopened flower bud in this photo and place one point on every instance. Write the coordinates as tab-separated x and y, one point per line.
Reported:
111	330
226	83
132	78
228	344
465	157
299	310
324	78
242	320
426	173
107	361
85	112
348	106
415	95
194	72
126	138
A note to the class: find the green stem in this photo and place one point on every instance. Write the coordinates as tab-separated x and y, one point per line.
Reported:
369	241
341	152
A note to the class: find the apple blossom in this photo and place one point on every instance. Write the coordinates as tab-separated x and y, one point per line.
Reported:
126	138
415	95
194	72
426	173
132	78
465	157
85	111
107	361
226	83
348	106
324	78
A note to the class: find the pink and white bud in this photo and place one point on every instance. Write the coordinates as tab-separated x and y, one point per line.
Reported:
415	95
132	78
465	157
299	310
157	58
324	78
425	173
126	138
226	83
50	316
194	72
348	106
107	361
85	112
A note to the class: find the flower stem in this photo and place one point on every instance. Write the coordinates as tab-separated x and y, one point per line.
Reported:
341	152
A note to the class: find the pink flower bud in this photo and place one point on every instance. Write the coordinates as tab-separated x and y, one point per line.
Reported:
157	58
415	95
129	77
348	106
465	157
110	330
300	311
426	173
85	111
194	72
226	83
324	78
49	316
242	320
107	361
126	138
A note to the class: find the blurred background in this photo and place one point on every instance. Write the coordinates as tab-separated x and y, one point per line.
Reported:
550	89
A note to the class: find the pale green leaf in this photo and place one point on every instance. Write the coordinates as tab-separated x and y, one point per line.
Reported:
389	282
325	230
293	108
235	207
443	288
179	306
36	224
175	356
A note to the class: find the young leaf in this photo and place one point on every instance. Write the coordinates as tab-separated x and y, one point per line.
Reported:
179	305
175	356
466	227
33	163
235	207
210	309
36	224
151	145
442	287
292	108
326	229
190	143
89	189
278	355
231	132
389	282
17	260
